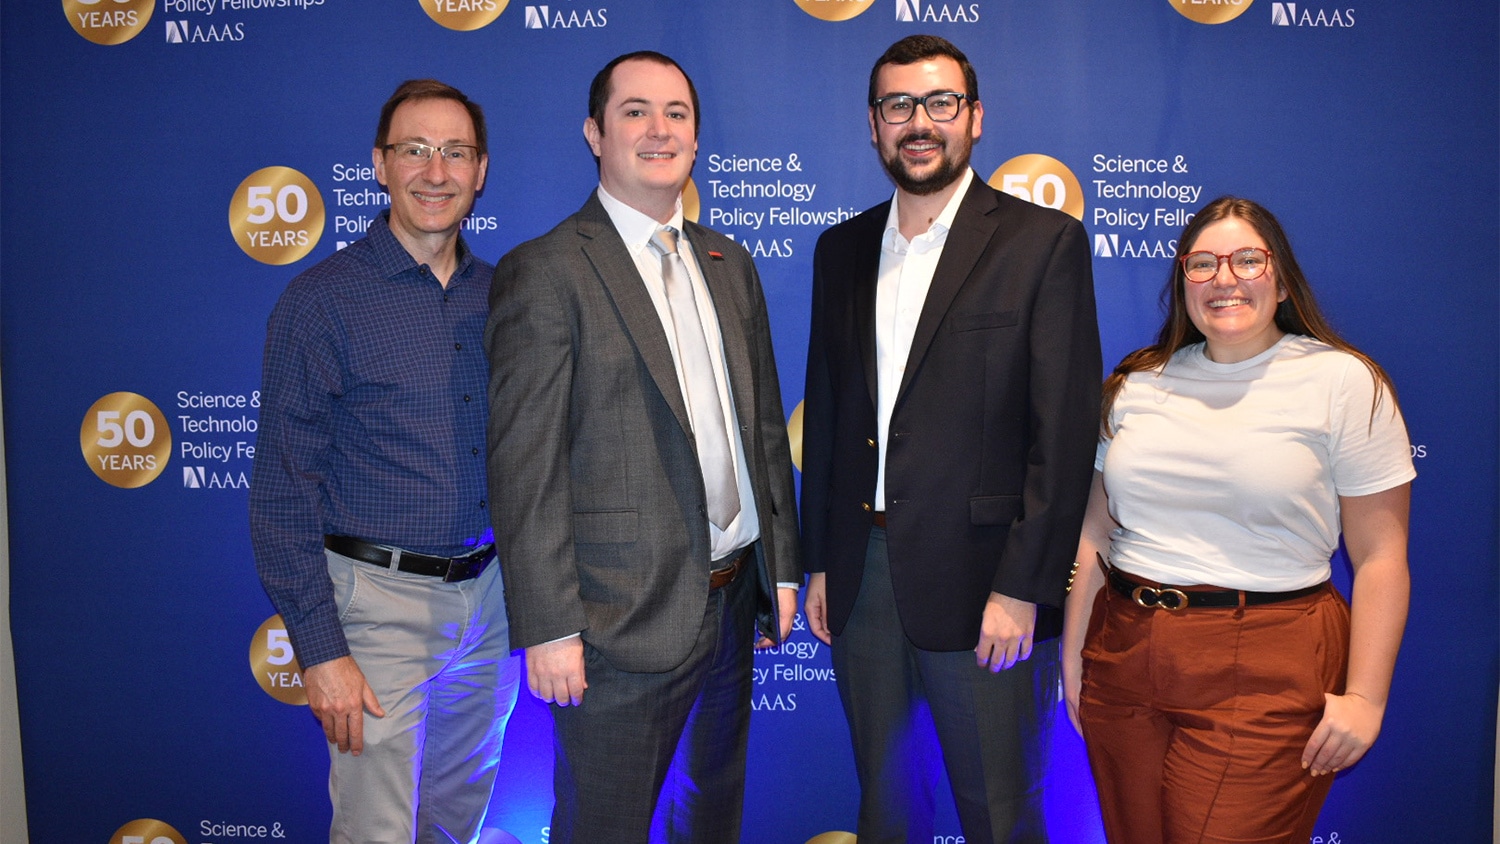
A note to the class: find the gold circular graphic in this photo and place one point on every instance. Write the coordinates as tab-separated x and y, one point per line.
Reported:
835	10
125	440
1042	180
1220	11
833	838
276	215
108	22
464	15
147	831
275	665
794	433
691	204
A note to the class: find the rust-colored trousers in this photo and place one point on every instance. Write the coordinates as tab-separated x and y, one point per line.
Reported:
1195	720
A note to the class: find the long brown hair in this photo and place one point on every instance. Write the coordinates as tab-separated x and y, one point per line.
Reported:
1297	314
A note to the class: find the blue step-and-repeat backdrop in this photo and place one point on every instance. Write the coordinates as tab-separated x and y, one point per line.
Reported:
168	165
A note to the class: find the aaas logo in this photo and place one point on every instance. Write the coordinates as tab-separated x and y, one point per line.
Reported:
108	21
925	11
1111	246
1288	14
183	32
553	17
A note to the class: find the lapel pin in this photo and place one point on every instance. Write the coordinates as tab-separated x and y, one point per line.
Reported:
717	256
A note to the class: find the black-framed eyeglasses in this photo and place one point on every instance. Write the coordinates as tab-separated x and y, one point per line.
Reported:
416	154
1247	263
941	107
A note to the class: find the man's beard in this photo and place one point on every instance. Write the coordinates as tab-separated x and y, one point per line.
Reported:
947	170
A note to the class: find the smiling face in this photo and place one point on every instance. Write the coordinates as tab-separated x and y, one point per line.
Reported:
647	143
429	199
1237	317
924	156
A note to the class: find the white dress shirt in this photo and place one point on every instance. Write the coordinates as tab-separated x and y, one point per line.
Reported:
637	229
906	268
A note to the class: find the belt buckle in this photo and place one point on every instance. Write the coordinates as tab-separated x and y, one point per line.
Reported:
465	568
1141	594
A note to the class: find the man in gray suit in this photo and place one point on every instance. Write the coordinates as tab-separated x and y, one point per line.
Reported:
640	479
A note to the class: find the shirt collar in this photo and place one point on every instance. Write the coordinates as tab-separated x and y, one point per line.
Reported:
635	228
938	231
392	259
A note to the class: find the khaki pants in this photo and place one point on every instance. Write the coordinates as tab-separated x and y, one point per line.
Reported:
437	656
1195	720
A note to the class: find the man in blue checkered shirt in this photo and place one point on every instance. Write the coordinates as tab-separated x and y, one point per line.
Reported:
367	504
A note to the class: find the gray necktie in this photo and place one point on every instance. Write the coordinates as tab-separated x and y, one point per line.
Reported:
701	389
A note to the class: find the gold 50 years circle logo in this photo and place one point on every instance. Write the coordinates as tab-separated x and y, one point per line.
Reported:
276	215
275	665
794	433
126	440
147	831
464	15
1042	180
692	205
835	10
108	21
1218	11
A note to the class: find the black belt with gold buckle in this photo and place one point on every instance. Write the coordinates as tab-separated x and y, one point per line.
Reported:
1173	598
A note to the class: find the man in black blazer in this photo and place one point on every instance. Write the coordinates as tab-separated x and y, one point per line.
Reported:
640	479
951	413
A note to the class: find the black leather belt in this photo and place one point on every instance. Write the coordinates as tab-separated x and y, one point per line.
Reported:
1152	595
721	577
450	569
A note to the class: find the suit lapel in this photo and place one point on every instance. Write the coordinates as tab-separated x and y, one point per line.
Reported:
973	226
866	276
616	270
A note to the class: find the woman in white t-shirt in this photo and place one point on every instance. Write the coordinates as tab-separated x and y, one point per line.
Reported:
1217	677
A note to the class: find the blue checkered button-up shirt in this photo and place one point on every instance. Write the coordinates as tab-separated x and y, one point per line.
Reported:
372	423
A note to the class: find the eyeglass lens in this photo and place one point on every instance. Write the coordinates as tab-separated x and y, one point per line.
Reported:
1246	264
461	155
940	107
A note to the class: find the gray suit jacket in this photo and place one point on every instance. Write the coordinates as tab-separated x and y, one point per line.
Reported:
595	490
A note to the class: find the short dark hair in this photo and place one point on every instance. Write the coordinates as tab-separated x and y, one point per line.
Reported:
431	89
915	48
603	85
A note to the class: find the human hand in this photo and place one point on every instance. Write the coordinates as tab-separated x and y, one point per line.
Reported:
816	606
1005	633
1349	726
786	610
338	696
554	671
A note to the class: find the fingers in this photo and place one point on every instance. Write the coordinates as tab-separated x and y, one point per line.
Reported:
817	622
555	673
1073	715
816	607
1347	730
1002	653
355	743
372	703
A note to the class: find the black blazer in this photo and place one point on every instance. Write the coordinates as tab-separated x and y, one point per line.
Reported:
993	433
